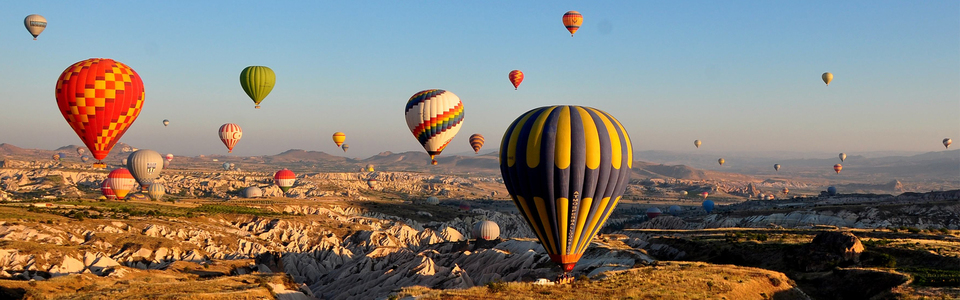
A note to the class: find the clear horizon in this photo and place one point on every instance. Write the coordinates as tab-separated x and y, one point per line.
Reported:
740	76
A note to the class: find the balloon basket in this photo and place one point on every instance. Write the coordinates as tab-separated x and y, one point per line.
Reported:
99	166
257	107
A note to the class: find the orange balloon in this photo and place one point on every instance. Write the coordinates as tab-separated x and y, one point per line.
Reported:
837	167
100	98
572	20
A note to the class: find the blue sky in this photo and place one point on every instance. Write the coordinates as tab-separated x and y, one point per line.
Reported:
739	75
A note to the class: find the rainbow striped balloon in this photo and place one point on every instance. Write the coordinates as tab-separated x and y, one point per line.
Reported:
566	168
434	117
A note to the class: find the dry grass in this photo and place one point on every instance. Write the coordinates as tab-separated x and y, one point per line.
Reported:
675	280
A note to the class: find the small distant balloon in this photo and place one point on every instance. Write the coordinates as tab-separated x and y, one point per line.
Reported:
653	212
35	24
832	191
697	143
674	210
345	147
230	134
516	77
84	158
169	157
704	195
827	77
776	167
947	142
837	167
572	20
226	166
166	122
683	193
721	161
338	138
785	191
257	82
476	141
708	205
843	156
284	179
81	151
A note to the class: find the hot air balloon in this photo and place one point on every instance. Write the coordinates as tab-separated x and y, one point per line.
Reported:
156	191
674	210
516	77
785	191
100	98
827	77
762	196
704	195
372	182
566	168
123	161
81	151
770	197
843	156
721	161
106	190
653	212
230	134
476	141
226	166
947	142
257	82
166	122
697	143
252	192
338	138
84	158
708	205
464	206
370	168
345	147
433	200
121	182
837	167
35	24
434	117
486	230
683	193
56	157
284	179
776	167
145	165
166	164
169	157
572	20
832	191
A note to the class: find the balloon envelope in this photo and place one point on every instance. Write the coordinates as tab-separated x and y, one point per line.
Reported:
486	230
338	138
145	165
516	77
838	167
345	147
257	82
566	168
169	157
776	167
230	134
843	156
156	191
252	192
827	78
106	190
708	205
35	24
433	200
100	98
572	20
434	117
121	182
721	161
947	142
166	122
284	179
697	143
476	141
674	210
832	191
653	212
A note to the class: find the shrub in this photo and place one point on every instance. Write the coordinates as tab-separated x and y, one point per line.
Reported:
496	286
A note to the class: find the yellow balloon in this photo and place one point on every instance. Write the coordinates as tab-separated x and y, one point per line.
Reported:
827	77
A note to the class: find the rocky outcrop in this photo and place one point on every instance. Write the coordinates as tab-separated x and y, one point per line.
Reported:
828	250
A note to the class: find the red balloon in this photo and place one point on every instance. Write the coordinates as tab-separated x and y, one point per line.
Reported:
516	77
837	167
100	98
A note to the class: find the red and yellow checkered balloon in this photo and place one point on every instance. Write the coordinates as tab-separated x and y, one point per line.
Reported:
100	98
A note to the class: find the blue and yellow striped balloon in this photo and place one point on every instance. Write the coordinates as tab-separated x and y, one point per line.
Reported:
566	168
